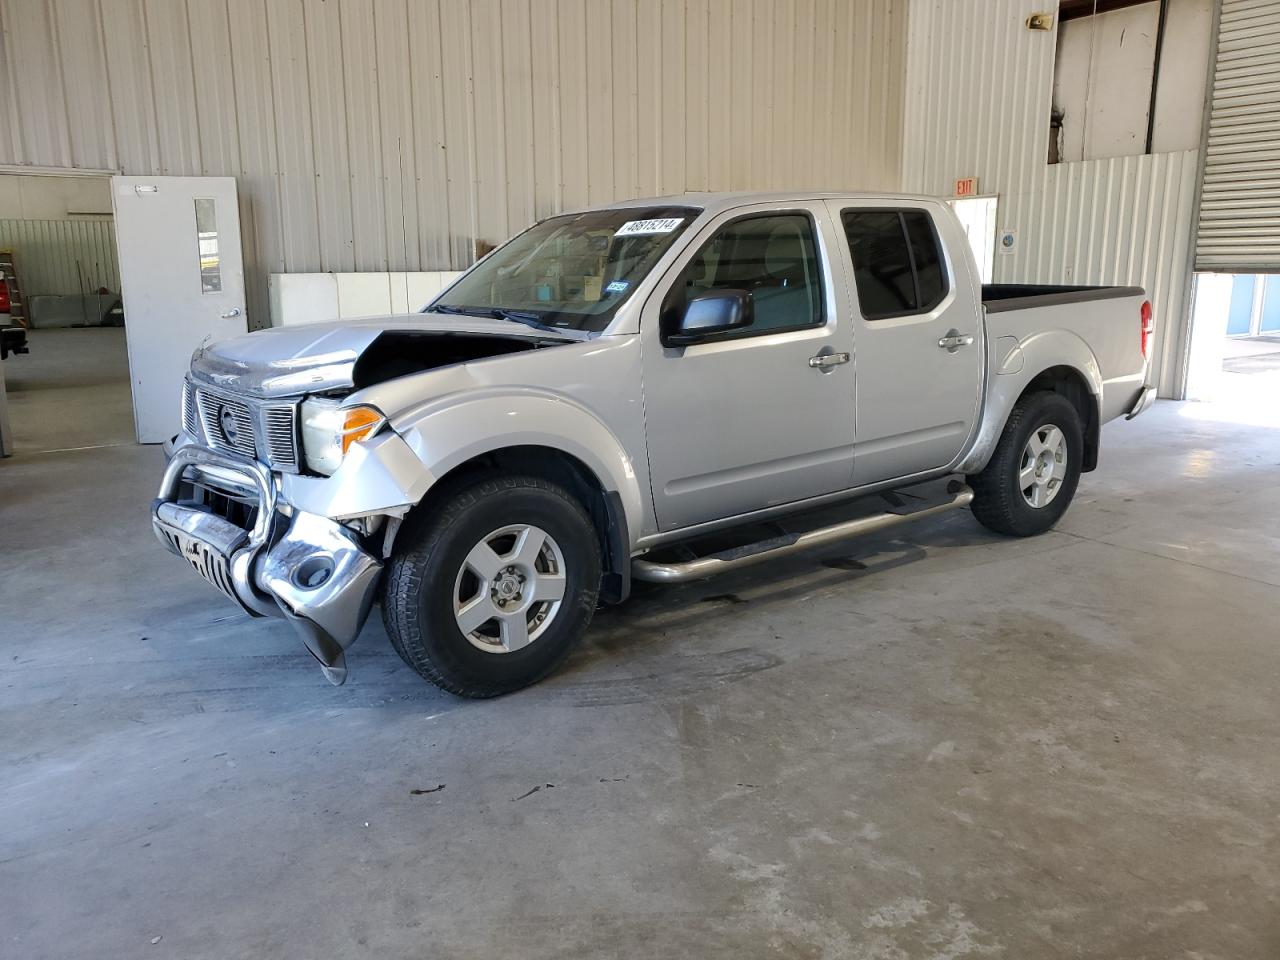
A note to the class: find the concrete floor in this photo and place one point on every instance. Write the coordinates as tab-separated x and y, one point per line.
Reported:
1252	355
942	744
71	390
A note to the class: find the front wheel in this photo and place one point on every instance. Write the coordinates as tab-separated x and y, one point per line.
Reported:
490	591
1032	476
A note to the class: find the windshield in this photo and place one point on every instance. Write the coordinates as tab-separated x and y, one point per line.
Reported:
573	271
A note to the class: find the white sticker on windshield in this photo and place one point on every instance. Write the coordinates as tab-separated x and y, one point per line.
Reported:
633	228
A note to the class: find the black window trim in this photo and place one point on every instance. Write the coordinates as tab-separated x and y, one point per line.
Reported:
747	332
911	256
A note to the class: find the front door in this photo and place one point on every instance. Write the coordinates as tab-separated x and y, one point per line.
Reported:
918	332
756	418
182	279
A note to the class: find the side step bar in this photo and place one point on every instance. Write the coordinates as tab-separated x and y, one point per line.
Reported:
789	543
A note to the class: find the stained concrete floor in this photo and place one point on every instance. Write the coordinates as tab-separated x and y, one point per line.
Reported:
939	744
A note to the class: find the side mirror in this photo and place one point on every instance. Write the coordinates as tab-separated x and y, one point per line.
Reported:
710	315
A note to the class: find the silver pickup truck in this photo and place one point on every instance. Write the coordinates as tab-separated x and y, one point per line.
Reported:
660	389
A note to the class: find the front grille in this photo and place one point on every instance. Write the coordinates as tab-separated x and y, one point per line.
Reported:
228	424
282	436
190	418
259	431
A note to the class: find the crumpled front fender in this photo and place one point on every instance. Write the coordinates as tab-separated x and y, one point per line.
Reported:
382	475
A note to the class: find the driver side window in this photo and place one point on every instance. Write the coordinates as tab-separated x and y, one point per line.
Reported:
773	257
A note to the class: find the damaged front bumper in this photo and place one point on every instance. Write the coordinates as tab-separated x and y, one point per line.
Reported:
308	569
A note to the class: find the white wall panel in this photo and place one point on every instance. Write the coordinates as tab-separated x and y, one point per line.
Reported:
257	165
213	71
41	113
302	298
982	109
295	167
128	87
395	134
430	155
396	145
173	84
83	55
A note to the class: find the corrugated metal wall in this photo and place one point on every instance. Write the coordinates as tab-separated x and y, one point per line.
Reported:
982	109
62	256
393	134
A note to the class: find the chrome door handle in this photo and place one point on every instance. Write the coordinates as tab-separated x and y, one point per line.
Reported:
954	340
233	312
828	360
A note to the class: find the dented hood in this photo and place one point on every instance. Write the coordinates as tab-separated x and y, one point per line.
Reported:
318	357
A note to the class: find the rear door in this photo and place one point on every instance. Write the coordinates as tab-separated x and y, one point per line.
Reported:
765	416
182	280
917	332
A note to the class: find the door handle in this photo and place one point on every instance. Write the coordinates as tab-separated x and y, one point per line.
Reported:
233	312
954	340
824	360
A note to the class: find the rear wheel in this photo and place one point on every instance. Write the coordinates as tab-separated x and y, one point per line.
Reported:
1032	476
490	591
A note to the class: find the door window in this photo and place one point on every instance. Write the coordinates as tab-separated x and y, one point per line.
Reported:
207	242
773	258
897	261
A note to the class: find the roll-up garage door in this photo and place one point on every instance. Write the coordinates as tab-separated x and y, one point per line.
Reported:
1240	204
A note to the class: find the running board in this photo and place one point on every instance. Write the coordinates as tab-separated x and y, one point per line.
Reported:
789	543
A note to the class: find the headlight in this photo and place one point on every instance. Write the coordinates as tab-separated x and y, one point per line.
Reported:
329	429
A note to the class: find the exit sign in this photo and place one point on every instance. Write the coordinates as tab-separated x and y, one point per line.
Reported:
967	187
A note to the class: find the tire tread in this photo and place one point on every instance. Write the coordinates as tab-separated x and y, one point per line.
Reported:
994	504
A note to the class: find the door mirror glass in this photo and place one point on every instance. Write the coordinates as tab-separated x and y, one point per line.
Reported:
710	315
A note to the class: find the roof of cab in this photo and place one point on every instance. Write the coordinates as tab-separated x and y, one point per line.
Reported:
718	202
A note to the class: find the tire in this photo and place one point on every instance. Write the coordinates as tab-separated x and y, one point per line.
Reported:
1001	500
539	539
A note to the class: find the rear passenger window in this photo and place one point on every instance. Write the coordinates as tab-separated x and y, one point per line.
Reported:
931	281
897	261
772	257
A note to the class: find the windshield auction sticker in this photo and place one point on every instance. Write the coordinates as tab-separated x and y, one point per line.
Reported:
634	228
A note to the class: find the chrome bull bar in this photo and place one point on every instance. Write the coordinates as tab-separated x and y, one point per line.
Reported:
315	574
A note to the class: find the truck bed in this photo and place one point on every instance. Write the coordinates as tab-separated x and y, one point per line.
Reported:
1106	319
999	297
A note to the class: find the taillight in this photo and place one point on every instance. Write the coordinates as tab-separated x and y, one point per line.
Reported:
4	297
1148	328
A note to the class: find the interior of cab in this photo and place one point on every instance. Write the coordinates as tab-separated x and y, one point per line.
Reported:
774	259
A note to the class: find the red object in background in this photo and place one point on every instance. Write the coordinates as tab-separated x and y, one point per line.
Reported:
4	297
1148	328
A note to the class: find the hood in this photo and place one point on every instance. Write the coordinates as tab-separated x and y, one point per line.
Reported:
346	354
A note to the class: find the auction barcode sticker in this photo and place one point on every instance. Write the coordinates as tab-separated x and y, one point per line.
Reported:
634	228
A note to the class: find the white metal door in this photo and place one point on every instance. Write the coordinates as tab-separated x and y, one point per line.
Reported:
978	217
182	280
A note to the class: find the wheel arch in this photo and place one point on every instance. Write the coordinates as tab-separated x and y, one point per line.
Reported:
1054	360
604	506
1071	384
